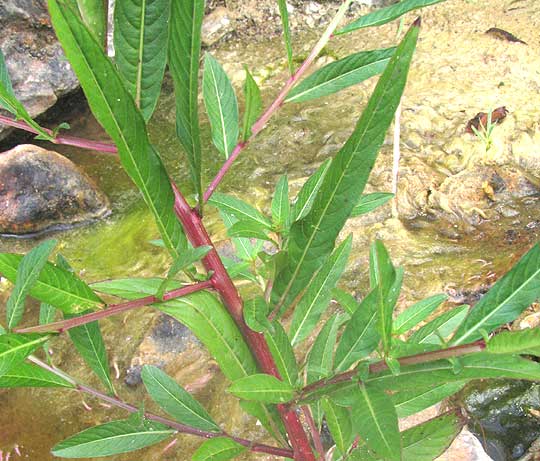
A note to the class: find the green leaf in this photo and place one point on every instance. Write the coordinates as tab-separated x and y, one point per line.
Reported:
347	301
368	202
255	314
47	314
94	16
262	388
218	449
54	286
89	342
140	44
112	439
9	101
318	295
114	108
375	420
409	402
508	298
248	229
174	400
221	106
284	14
383	278
27	275
14	348
474	366
131	288
28	375
515	342
384	15
268	416
280	205
246	249
253	104
341	74
283	353
360	336
312	238
184	54
339	424
185	259
440	327
304	200
415	314
239	209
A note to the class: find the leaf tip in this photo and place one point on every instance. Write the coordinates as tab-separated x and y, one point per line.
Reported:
417	22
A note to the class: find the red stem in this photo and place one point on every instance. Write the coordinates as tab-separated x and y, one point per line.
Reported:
314	431
223	284
455	351
114	309
67	140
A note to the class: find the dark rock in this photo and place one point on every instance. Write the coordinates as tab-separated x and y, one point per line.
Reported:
41	190
39	71
133	376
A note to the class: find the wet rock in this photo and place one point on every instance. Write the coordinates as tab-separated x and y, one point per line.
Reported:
39	71
504	416
217	25
41	190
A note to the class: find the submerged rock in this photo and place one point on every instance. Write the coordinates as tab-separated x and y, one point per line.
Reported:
41	190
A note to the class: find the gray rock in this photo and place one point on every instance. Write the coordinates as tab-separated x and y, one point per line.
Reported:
41	190
38	69
217	25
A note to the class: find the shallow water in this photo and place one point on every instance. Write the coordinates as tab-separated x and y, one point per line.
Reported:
444	81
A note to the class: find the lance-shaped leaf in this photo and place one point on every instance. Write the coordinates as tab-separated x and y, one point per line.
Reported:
516	342
47	314
318	294
186	258
375	420
218	449
28	375
280	204
9	101
440	327
256	314
409	402
360	336
248	229
416	313
94	16
140	44
112	439
312	238
54	286
385	281
283	354
304	200
239	209
475	366
28	272
253	104
15	348
174	399
384	15
369	202
114	108
341	74
89	342
246	249
221	106
346	300
510	296
339	423
184	53
262	388
284	14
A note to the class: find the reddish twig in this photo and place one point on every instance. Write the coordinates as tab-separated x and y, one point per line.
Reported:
315	435
117	402
67	140
114	309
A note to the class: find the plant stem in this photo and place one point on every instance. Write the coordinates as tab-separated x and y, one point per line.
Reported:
424	357
117	402
280	98
67	140
314	431
114	309
222	283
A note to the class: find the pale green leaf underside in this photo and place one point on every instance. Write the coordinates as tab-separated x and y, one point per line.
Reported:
218	449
